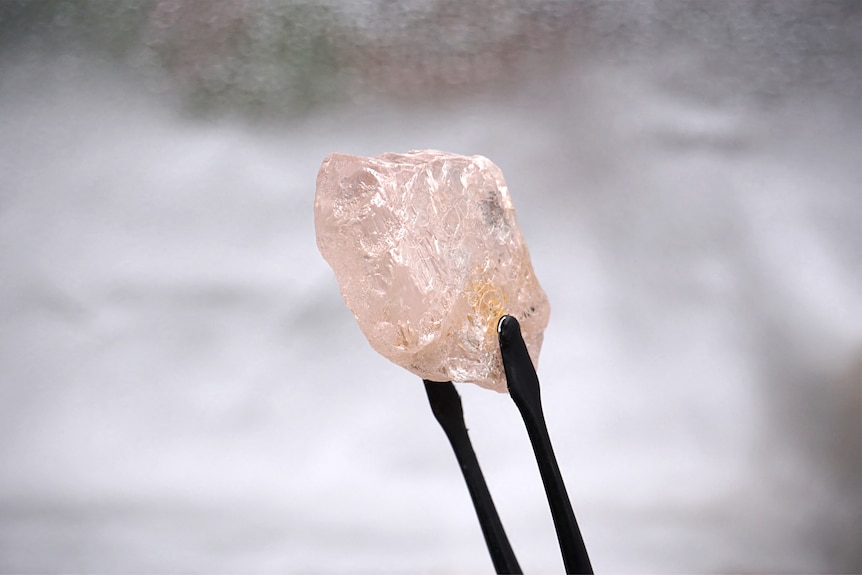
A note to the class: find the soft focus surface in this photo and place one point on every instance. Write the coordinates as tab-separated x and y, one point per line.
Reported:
429	256
182	390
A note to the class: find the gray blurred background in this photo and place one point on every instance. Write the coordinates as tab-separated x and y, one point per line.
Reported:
183	390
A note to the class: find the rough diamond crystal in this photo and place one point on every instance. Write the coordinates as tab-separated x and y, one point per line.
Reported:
429	256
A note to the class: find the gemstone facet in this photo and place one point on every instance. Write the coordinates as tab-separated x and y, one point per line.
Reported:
429	256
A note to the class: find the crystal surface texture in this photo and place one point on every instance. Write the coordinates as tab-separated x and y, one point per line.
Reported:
429	256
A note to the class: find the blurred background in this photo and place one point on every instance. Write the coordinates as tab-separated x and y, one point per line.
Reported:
183	390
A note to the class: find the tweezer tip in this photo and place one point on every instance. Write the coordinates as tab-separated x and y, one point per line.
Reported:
507	327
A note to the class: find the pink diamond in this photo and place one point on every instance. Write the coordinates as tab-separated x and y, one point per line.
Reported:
429	256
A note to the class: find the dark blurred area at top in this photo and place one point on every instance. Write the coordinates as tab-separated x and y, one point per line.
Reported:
285	57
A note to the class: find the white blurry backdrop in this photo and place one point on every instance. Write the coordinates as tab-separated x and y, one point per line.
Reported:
183	390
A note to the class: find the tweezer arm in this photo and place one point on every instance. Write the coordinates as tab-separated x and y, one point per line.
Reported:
446	406
524	389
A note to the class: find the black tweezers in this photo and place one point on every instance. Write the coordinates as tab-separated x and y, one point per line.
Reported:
524	389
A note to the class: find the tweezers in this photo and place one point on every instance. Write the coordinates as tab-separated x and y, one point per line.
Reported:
523	384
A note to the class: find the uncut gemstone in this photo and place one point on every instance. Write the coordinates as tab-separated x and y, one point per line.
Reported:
429	257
